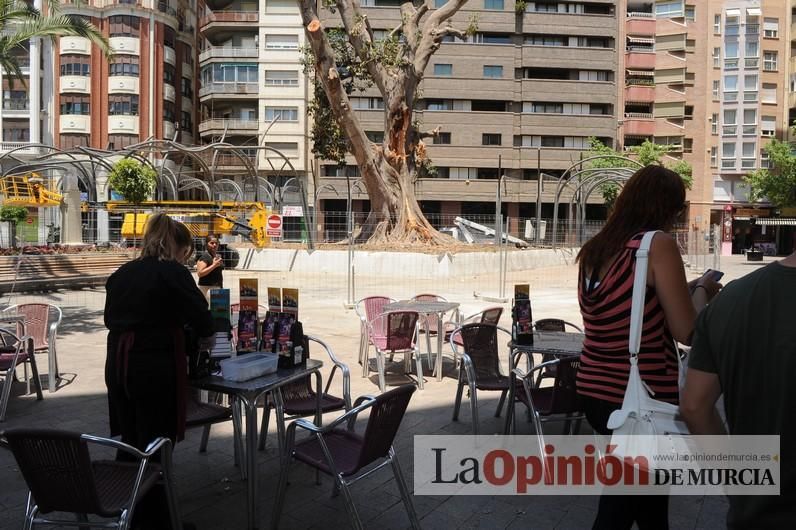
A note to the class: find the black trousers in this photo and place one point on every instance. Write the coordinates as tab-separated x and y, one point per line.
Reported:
619	512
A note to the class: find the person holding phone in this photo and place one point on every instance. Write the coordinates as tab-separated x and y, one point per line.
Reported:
209	268
650	200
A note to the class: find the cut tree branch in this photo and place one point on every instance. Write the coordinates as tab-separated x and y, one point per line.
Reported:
429	134
433	31
361	39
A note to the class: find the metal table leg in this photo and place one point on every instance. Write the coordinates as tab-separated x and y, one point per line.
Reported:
250	402
440	336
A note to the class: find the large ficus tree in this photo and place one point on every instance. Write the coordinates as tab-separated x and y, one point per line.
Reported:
395	66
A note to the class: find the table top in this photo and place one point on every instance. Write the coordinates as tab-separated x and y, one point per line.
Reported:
553	343
421	306
261	384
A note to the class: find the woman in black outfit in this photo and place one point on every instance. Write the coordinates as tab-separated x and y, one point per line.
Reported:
209	268
148	302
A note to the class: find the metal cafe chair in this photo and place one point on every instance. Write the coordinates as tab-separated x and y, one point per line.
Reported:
343	454
13	352
399	336
367	309
62	477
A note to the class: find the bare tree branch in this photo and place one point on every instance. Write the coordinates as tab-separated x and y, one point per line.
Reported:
422	10
354	22
433	31
433	133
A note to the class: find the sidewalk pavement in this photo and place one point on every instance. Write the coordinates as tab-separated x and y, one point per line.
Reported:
211	492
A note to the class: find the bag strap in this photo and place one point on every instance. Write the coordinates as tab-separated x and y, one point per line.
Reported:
639	293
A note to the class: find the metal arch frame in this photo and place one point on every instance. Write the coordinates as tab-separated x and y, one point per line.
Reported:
584	176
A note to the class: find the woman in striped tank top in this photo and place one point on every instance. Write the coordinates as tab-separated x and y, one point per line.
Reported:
652	199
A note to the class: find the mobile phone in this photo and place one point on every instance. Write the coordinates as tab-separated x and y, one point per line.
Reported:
713	274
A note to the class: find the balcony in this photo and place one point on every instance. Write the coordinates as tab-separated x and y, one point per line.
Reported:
122	84
229	89
640	93
75	83
639	124
74	45
225	18
129	45
16	108
169	92
640	60
22	148
169	55
72	123
168	130
227	52
123	124
166	9
640	24
231	125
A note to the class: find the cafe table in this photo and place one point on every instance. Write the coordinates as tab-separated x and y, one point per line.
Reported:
555	343
426	308
248	392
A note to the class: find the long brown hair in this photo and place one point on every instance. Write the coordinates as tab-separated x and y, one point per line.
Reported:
650	200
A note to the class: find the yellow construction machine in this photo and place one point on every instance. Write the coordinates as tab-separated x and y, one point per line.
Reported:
201	217
29	190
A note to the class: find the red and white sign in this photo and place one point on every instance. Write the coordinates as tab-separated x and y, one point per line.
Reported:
273	226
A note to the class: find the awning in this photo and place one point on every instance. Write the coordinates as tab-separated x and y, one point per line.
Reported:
641	73
641	40
776	221
733	13
752	11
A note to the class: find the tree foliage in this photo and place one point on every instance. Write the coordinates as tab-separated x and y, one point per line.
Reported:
778	182
647	153
20	22
13	214
133	180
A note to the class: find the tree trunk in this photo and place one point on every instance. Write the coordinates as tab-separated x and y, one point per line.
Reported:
387	169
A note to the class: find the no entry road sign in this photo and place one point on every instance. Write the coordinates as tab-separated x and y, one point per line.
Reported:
273	227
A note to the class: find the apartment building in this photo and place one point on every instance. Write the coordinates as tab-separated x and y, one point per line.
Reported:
527	89
253	89
146	91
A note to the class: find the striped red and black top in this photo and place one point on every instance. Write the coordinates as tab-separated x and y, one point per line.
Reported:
605	361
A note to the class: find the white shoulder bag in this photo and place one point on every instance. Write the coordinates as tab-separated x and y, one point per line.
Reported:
640	413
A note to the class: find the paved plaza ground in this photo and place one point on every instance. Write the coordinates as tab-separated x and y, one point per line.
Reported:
211	492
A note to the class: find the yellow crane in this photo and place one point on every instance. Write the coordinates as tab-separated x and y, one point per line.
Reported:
201	217
29	190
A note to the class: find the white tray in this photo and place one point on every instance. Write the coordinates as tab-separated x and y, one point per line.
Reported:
248	366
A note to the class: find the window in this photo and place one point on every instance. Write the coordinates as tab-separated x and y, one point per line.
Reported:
120	141
124	65
728	150
229	73
716	57
770	28
552	141
439	104
281	78
281	113
493	4
716	88
729	126
770	61
750	82
168	37
281	42
443	138
670	9
15	100
690	13
122	104
748	155
124	26
765	161
186	88
730	82
361	103
16	131
714	124
377	137
443	69
545	7
769	93
75	104
546	40
186	122
70	141
544	108
490	139
750	122
168	74
187	54
74	64
717	24
593	75
714	156
493	71
168	112
768	125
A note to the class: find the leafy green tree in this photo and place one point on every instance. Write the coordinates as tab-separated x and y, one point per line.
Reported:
778	182
647	153
344	60
20	22
13	215
134	181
